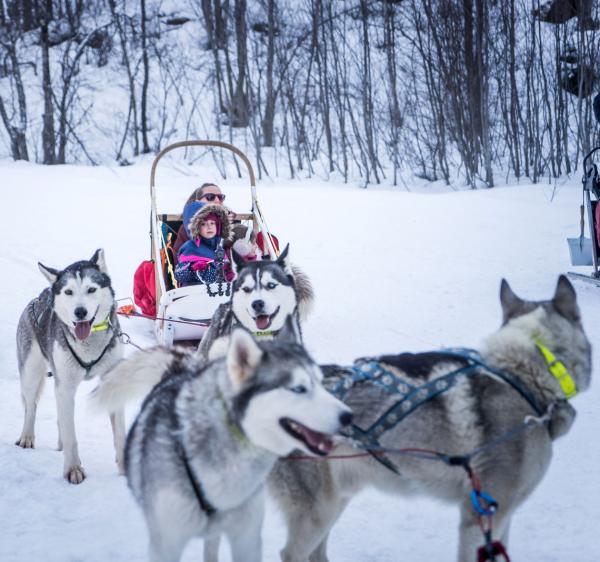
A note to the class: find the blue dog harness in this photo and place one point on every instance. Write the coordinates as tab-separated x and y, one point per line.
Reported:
411	397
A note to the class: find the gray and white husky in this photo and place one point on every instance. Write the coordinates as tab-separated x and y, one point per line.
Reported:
475	411
264	294
70	331
209	433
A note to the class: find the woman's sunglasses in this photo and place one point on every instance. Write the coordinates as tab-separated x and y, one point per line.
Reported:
213	196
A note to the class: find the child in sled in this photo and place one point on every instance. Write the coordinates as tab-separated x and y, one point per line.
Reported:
199	258
208	249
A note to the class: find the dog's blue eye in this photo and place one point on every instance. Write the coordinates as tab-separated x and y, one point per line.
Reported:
300	389
271	285
92	290
68	292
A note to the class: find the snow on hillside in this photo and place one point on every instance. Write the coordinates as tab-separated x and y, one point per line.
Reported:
393	271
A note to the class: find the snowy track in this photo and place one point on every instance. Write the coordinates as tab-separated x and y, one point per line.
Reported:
393	271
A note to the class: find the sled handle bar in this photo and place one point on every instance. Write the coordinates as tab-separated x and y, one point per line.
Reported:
587	157
211	143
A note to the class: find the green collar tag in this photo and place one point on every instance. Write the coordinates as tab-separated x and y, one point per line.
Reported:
558	371
265	334
234	429
102	327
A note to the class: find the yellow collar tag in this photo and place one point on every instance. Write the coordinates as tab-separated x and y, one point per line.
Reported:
101	327
558	371
265	334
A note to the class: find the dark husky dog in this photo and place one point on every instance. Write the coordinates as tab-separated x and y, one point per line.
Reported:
538	342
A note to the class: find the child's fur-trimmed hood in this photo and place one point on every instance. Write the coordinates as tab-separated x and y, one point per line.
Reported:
220	211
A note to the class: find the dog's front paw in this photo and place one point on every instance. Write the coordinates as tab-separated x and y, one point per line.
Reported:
75	475
120	465
25	441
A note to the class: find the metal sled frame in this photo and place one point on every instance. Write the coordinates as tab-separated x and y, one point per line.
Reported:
184	313
594	277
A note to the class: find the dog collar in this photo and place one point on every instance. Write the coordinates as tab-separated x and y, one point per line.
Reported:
265	333
558	371
102	326
234	428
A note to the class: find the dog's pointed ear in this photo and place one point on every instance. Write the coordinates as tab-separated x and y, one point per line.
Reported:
289	333
510	302
48	273
243	357
565	300
283	260
98	260
237	262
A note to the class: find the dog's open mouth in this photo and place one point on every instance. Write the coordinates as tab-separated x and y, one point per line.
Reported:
316	442
82	329
263	321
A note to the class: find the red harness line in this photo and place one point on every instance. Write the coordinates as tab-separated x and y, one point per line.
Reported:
129	310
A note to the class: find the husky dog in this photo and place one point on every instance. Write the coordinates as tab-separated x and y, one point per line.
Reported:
264	294
71	332
209	433
473	413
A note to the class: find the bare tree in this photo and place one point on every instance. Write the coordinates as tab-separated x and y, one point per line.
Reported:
146	79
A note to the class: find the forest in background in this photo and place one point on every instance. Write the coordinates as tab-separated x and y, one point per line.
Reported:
469	92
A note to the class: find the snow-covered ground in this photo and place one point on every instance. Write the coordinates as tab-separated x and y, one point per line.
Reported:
393	271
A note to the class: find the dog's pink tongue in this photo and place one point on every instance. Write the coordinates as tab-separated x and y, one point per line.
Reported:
262	322
320	441
82	330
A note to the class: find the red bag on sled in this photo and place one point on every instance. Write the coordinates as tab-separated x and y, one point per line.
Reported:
262	244
144	288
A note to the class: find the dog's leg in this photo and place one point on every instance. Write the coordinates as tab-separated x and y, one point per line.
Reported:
32	377
245	537
308	529
172	521
65	404
320	553
211	549
117	421
470	538
59	445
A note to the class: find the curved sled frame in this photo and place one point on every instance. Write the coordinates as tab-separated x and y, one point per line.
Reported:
588	174
155	234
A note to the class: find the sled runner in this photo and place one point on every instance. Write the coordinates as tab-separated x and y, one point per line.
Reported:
586	251
184	313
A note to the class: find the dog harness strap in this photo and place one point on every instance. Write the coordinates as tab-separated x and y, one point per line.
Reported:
473	356
89	365
413	397
205	505
558	371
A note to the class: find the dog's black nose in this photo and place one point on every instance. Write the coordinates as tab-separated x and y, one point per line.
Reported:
80	313
258	306
346	418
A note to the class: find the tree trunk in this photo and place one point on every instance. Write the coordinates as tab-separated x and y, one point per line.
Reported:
239	110
268	119
48	138
145	63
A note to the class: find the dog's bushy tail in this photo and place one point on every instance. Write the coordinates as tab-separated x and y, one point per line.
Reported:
305	291
132	378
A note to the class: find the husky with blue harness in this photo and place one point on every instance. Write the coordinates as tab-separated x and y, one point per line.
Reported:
495	411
